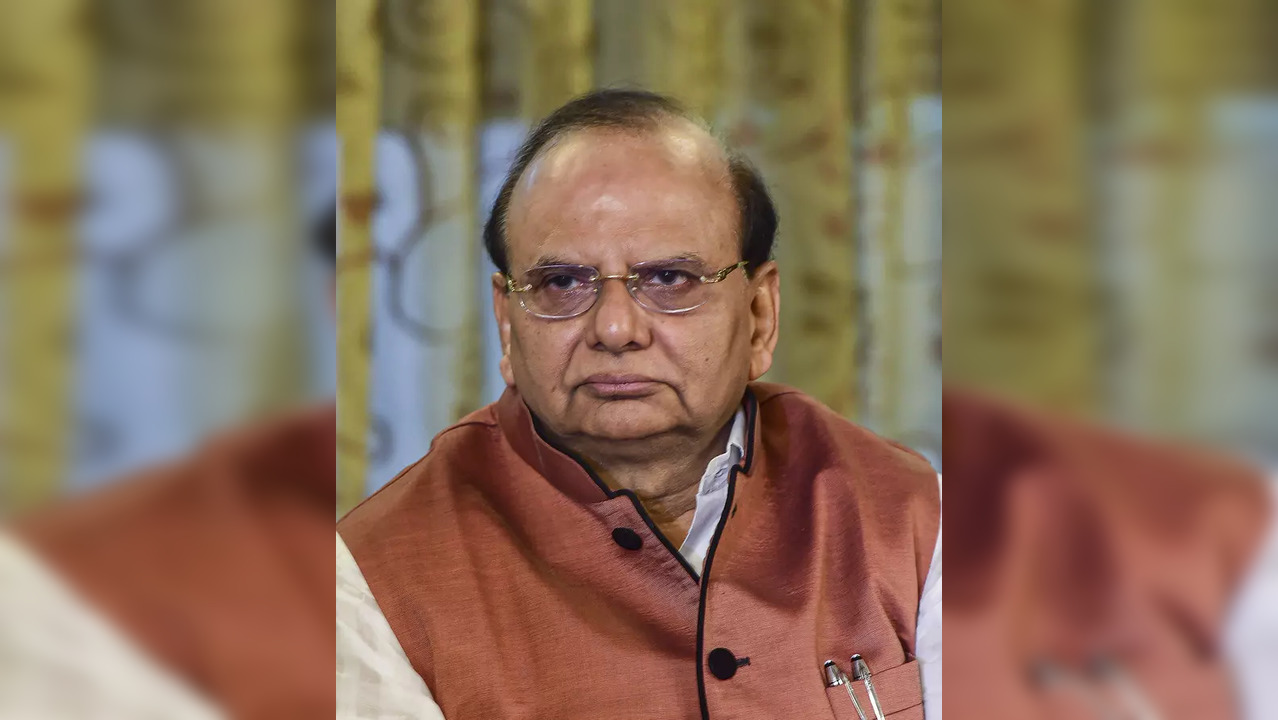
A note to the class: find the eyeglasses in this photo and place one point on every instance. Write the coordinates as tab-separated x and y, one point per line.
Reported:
558	292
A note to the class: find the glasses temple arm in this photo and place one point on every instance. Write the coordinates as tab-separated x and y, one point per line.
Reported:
719	276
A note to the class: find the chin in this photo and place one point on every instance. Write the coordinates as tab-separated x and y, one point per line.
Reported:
626	420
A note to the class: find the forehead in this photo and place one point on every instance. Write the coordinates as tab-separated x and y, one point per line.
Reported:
606	196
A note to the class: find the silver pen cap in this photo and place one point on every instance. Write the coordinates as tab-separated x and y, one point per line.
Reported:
833	675
860	668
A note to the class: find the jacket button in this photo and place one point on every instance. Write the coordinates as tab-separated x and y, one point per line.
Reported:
627	538
723	664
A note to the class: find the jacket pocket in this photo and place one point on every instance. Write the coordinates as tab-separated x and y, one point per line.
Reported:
899	689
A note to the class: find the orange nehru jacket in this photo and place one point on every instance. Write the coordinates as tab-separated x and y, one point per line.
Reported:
520	586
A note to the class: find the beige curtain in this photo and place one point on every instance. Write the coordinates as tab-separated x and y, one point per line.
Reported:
431	97
798	104
358	87
900	249
1107	241
1187	225
44	111
1020	285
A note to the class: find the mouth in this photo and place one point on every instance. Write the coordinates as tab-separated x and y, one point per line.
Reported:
619	387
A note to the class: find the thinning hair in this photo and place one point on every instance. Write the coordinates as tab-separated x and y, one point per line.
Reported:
636	111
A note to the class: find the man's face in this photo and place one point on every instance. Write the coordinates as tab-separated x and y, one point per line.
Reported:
620	371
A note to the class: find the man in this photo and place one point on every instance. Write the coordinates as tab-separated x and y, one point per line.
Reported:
637	529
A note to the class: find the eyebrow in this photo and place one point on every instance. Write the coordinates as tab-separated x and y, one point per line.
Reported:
548	260
545	260
689	256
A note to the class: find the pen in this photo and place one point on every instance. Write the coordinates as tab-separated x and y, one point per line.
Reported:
835	677
861	671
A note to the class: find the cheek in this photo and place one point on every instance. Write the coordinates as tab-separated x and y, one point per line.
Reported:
713	349
541	351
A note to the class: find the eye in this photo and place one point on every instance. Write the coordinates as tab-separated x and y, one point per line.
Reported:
560	282
669	277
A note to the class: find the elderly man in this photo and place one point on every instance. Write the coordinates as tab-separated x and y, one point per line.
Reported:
637	529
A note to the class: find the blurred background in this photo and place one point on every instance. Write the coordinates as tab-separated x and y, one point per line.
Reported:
163	167
167	244
1111	171
1109	193
1107	205
837	102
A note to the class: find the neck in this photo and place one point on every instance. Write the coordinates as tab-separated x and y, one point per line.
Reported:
664	473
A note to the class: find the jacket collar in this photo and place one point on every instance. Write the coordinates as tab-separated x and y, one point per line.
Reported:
569	473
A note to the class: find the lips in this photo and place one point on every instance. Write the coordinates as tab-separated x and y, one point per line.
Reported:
620	386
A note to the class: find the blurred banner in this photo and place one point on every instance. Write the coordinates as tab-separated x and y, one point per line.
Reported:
836	102
1111	423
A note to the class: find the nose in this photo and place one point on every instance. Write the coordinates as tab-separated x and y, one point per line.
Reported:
617	323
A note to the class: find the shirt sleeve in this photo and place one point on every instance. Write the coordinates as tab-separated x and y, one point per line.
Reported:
375	680
60	658
927	637
1251	630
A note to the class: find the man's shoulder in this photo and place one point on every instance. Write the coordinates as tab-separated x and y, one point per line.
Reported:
813	428
806	442
453	452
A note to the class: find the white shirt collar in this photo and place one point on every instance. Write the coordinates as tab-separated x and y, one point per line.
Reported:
716	474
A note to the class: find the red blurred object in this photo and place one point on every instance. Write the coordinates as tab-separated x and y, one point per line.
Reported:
1089	572
219	566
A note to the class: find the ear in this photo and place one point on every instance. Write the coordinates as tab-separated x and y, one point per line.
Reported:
501	311
765	317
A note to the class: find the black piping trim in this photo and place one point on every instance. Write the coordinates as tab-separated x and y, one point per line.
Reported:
752	411
634	500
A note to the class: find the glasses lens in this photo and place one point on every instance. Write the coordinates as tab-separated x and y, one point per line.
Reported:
560	290
670	286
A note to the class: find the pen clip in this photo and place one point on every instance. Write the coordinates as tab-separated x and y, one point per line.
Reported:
861	671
